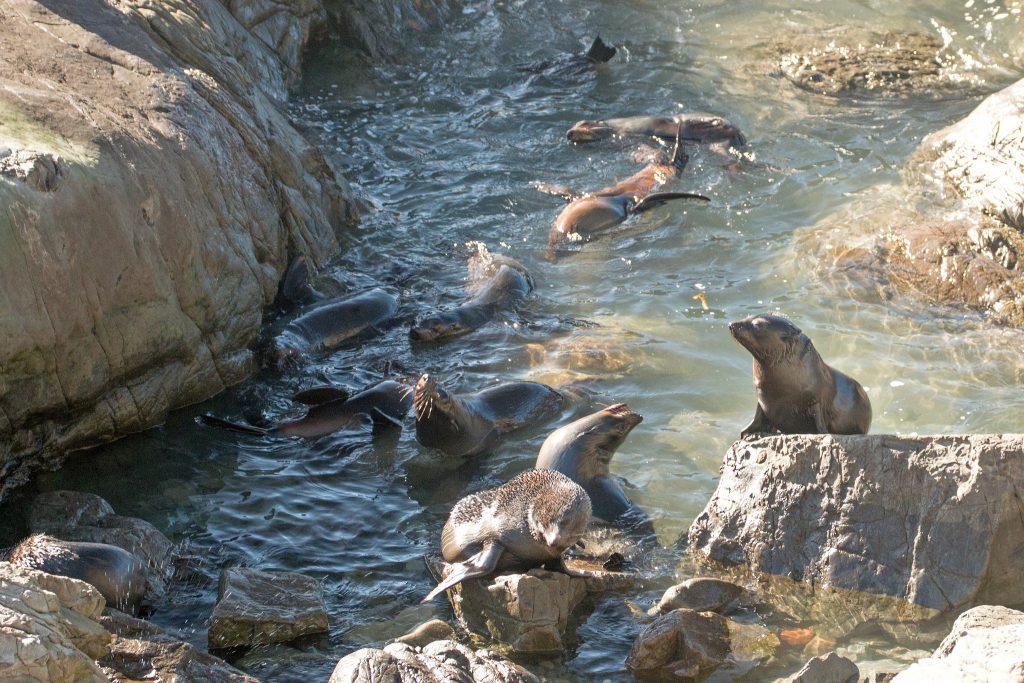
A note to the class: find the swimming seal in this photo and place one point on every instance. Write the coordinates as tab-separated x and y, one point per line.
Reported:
118	575
526	522
468	424
568	65
497	284
690	126
294	289
333	409
582	451
591	213
327	326
797	392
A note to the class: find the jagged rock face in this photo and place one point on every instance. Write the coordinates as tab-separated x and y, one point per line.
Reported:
443	661
986	643
371	25
936	521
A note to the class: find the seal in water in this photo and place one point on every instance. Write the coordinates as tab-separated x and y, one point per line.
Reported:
690	126
328	325
527	522
294	289
332	409
568	65
589	214
497	284
797	392
468	424
582	451
118	575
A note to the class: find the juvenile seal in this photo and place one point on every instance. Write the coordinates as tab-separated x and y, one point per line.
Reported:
468	424
327	326
690	126
119	576
333	409
527	522
582	450
591	213
797	392
569	65
497	284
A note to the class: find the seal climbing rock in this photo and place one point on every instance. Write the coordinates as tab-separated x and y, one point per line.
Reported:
797	392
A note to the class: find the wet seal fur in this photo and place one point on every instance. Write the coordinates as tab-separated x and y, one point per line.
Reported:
568	65
467	424
690	126
333	409
591	213
118	575
797	392
497	284
583	450
527	522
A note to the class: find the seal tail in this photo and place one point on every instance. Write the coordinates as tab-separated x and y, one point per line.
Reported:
233	426
600	51
659	198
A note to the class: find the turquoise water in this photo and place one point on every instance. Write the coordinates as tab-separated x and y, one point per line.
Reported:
445	142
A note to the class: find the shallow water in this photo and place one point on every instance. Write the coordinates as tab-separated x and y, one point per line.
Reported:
445	143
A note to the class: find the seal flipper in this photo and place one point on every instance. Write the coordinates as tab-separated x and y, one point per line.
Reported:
315	396
481	564
382	420
214	421
600	51
659	198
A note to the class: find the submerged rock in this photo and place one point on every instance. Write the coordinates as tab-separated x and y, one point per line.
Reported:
257	607
986	643
700	594
443	661
680	645
829	668
426	633
932	520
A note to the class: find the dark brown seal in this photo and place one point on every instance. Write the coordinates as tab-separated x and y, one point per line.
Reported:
570	65
119	576
468	424
333	409
690	126
797	392
526	522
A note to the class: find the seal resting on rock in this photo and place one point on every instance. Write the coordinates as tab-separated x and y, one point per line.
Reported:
119	576
467	424
497	284
691	126
333	409
526	522
797	392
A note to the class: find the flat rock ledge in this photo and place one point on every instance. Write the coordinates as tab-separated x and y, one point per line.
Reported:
257	607
937	521
443	661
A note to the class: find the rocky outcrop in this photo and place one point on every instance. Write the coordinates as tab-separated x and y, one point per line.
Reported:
259	608
443	661
828	668
679	646
375	27
985	644
48	629
937	521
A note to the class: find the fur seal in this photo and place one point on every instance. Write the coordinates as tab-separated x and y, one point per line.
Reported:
797	392
468	424
497	284
333	409
328	325
588	214
690	126
118	575
294	289
569	65
526	522
582	451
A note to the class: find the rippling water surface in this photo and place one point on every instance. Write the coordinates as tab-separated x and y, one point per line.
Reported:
444	143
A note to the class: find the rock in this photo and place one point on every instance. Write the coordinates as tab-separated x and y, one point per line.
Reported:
380	28
751	642
879	677
932	520
48	629
986	643
679	646
257	607
79	516
141	651
426	633
830	668
443	661
700	594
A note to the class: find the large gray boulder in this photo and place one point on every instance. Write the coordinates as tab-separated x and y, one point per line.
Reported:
985	644
932	520
443	661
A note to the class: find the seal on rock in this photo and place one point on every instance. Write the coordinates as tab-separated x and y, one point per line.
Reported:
582	450
497	284
797	392
333	409
467	424
118	575
526	522
690	126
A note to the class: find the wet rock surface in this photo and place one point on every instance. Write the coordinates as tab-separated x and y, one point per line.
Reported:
936	521
680	646
702	595
426	633
828	668
257	607
442	661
